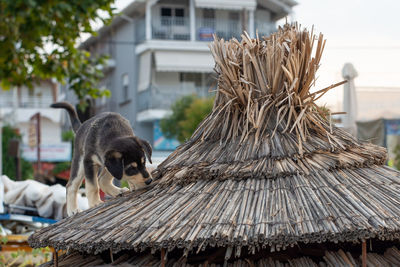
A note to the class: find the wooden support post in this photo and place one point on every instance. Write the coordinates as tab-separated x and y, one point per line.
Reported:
163	257
364	253
111	255
55	256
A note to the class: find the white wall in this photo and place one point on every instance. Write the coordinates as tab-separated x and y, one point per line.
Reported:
167	80
50	131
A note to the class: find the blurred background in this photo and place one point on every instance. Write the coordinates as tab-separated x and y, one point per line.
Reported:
149	61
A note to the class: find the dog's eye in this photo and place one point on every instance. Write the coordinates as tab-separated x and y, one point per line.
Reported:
131	170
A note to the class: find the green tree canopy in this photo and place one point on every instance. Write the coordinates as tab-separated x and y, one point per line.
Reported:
187	113
8	162
38	40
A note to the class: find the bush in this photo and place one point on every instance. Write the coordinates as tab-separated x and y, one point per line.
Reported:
9	162
187	113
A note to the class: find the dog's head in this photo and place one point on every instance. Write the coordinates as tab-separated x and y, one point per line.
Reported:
126	159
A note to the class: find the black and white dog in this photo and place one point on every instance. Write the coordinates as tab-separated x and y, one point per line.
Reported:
105	147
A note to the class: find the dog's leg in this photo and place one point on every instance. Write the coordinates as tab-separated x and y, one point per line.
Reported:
73	185
91	182
105	181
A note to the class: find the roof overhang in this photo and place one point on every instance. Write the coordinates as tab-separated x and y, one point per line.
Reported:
280	8
184	61
227	4
24	114
133	9
152	115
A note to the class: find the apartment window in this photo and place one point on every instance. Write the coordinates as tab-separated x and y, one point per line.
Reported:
208	20
234	15
194	78
208	13
172	16
125	87
166	12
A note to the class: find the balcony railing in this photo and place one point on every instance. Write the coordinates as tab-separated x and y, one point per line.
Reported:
226	29
163	98
178	28
171	28
26	102
264	28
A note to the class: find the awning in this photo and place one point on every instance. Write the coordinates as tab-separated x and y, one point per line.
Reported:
227	4
184	61
144	71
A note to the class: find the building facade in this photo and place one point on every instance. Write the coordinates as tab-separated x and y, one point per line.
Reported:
18	106
159	52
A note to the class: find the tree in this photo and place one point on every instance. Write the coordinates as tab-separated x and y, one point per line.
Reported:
38	41
8	162
187	113
195	114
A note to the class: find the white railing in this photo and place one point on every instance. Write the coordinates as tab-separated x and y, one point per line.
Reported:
264	28
26	102
171	28
163	97
178	28
223	28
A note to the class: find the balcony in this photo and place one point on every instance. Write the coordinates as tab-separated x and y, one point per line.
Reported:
178	28
227	29
7	101
171	28
162	98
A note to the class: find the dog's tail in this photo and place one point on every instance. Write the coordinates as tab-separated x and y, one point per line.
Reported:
73	116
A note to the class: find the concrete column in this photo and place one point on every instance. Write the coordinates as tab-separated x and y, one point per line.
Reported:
252	25
148	20
192	17
1	152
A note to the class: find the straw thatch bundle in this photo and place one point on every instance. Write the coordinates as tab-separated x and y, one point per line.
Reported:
391	257
266	169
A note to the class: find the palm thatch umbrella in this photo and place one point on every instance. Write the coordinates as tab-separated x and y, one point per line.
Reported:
265	171
349	99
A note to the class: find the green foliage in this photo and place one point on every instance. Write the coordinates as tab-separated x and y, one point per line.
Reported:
39	41
61	166
396	162
195	113
8	162
68	136
187	113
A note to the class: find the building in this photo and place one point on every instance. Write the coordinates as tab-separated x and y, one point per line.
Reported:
19	105
159	52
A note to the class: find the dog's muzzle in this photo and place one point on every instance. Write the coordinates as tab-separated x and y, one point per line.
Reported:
148	181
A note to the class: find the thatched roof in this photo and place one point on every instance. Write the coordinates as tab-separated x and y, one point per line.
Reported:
265	169
340	258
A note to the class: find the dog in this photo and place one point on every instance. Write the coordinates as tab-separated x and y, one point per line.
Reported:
105	147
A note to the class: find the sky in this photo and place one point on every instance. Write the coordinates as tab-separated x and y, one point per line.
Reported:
365	33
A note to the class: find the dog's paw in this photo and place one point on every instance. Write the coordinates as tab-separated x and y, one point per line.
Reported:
123	190
73	212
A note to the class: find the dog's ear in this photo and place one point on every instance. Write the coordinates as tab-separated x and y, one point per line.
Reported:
146	148
114	163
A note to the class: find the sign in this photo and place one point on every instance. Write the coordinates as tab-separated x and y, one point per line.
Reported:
32	132
160	141
48	152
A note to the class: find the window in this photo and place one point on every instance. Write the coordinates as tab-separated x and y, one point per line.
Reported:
234	15
179	12
166	12
172	16
194	78
125	87
208	13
